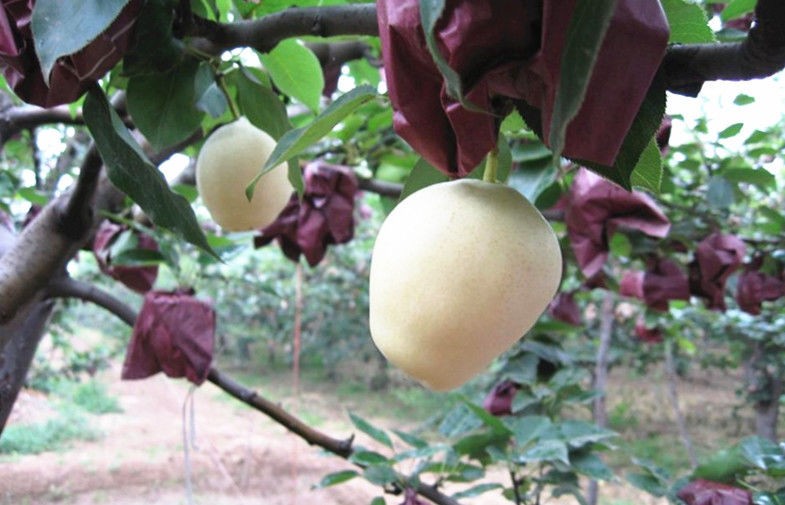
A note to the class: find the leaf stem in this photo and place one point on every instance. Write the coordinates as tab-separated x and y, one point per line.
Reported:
219	78
491	166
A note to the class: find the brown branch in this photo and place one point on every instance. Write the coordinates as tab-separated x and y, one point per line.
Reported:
265	33
70	288
380	187
761	54
67	287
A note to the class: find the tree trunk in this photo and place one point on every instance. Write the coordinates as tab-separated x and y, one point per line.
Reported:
601	377
766	385
24	333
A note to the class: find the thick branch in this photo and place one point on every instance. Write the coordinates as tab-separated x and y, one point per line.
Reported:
17	118
380	187
760	55
67	287
264	33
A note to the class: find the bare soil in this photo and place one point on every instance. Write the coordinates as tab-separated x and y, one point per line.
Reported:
242	457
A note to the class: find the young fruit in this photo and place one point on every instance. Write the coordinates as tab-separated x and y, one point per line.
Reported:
230	158
460	271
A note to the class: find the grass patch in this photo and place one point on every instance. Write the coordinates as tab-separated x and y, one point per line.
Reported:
91	396
70	424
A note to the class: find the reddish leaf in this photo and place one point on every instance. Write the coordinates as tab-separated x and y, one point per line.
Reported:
596	208
140	279
664	134
662	281
324	216
511	49
174	334
647	335
71	75
716	258
704	492
754	287
499	401
564	308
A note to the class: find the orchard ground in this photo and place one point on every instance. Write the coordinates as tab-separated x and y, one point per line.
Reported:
242	457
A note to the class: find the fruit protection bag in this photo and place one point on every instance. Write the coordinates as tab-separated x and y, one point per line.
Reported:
174	333
508	51
72	74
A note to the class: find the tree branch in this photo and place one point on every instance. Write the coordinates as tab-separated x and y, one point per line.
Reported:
761	54
265	33
70	288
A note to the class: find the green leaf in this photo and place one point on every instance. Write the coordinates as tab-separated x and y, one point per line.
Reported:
743	99
546	450
731	131
494	423
765	455
585	34
411	439
380	474
577	434
640	135
647	173
759	177
477	490
590	465
209	97
133	174
723	466
720	193
155	48
423	174
164	105
737	8
378	501
367	458
370	430
138	258
33	196
648	483
688	22
527	428
62	28
295	70
336	478
430	12
421	452
295	141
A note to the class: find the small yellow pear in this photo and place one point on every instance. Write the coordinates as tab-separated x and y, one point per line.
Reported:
228	161
460	271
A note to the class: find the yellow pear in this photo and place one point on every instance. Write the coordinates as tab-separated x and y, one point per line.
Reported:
460	271
228	161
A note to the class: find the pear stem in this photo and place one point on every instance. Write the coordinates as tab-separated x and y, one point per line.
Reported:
491	166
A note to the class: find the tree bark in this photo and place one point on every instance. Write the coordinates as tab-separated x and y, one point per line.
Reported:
600	410
765	386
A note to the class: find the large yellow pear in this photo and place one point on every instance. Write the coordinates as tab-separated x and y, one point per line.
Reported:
460	271
228	161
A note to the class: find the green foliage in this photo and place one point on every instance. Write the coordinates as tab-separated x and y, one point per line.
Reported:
56	433
91	396
295	70
131	171
61	29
